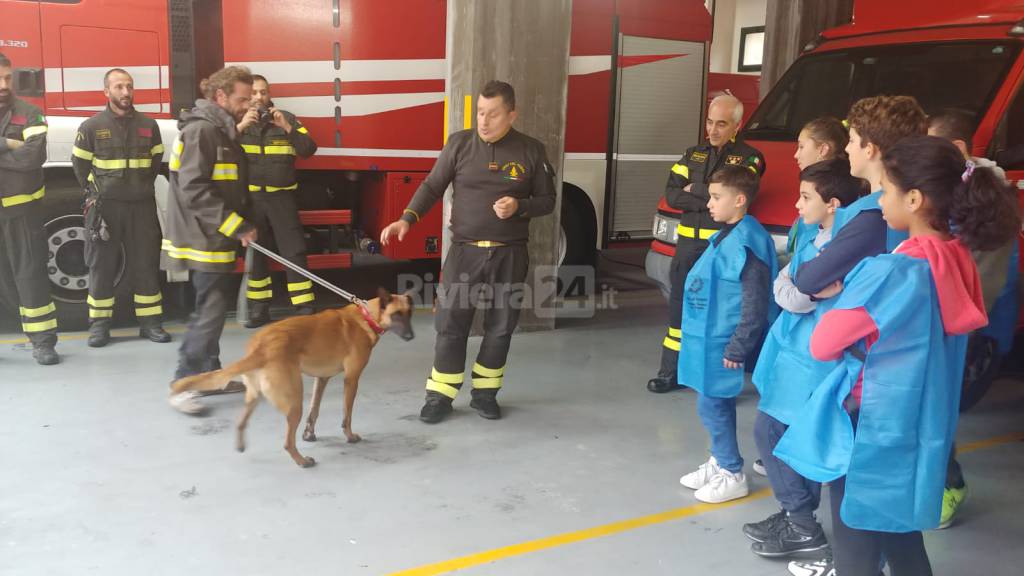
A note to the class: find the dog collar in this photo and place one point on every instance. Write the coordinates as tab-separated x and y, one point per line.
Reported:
369	320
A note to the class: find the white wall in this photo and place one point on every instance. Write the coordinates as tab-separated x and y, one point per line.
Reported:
730	16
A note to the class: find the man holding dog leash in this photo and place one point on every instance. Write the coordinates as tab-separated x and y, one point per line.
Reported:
502	179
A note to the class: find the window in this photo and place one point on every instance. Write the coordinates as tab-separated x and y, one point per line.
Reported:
940	75
751	49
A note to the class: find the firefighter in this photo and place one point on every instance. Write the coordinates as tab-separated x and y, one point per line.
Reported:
116	157
502	179
207	215
23	251
687	190
272	139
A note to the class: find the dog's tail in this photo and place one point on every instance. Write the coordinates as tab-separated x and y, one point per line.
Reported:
217	379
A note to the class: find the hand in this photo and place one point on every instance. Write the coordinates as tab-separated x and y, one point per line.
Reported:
397	228
280	120
688	187
14	144
251	117
506	207
830	290
249	236
731	365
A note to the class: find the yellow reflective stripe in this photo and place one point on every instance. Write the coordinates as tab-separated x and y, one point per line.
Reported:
140	299
296	286
22	198
176	149
488	372
676	333
81	153
110	164
442	388
446	378
251	148
670	344
97	313
279	150
302	130
487	383
681	169
690	232
197	255
230	224
39	326
259	283
296	300
150	311
279	188
33	131
106	303
158	149
140	162
37	312
225	172
90	178
253	188
259	294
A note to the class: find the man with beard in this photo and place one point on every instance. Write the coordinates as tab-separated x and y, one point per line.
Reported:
207	213
23	253
116	158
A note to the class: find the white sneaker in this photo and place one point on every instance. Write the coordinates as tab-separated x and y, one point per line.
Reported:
187	403
701	476
817	568
723	487
759	467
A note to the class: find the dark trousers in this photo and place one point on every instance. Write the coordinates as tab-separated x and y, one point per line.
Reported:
688	250
796	495
134	226
860	552
277	220
474	277
200	349
23	261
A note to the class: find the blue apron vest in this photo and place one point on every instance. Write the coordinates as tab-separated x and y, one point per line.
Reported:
711	308
895	463
869	202
1002	320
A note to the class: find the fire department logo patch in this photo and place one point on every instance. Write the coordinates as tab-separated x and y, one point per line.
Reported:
734	160
513	171
701	157
103	134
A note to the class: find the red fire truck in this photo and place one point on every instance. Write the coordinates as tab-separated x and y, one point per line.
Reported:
368	80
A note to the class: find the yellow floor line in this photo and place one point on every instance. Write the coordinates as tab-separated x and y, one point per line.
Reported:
486	557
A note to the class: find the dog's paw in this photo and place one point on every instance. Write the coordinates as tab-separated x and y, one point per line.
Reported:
308	462
353	438
309	436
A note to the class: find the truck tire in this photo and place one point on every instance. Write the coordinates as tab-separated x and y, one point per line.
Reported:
578	230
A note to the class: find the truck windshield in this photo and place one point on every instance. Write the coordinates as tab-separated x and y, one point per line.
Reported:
940	75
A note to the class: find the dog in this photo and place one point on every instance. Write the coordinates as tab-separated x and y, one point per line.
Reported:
321	345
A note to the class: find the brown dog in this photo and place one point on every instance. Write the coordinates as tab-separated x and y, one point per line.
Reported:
321	345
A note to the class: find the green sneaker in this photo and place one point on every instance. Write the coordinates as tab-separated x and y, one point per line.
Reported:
952	498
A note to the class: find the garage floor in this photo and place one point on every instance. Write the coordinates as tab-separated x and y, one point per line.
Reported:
100	476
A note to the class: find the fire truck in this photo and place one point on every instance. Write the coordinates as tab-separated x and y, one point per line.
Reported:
368	79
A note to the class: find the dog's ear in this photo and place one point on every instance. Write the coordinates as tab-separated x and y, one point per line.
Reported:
383	296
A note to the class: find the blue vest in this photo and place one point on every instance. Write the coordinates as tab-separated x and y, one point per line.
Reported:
869	202
895	463
711	308
798	231
1002	319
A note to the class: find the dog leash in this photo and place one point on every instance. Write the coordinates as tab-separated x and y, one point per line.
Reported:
302	271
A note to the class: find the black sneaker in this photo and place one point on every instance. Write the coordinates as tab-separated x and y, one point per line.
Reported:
761	531
791	539
660	385
435	409
45	355
486	407
154	334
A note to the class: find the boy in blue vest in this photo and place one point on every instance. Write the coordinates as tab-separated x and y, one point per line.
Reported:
727	305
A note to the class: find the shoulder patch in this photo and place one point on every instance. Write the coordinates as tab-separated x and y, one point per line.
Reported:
733	159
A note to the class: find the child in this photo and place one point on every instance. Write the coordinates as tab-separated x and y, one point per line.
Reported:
820	139
881	426
786	374
726	308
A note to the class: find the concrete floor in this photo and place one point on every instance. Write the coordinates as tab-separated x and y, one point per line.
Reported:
100	476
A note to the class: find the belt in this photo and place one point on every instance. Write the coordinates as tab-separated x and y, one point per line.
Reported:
486	244
691	232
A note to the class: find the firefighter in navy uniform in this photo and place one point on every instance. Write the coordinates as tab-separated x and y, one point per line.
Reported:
687	190
23	251
116	158
501	179
207	216
272	139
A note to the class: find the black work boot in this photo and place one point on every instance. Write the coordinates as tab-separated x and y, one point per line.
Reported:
791	539
761	531
233	387
305	311
660	385
485	403
435	408
154	333
99	334
45	355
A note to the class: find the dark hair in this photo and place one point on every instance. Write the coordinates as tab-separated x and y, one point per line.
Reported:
981	211
885	120
5	61
739	178
832	179
260	78
225	79
503	89
954	124
106	76
829	130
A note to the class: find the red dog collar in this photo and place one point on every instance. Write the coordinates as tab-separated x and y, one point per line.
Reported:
369	320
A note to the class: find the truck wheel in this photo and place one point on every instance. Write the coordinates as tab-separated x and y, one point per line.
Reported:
577	240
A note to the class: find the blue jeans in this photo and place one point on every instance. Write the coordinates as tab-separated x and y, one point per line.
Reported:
719	418
796	494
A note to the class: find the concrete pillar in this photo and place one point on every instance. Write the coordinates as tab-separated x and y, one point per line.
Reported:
524	43
790	25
